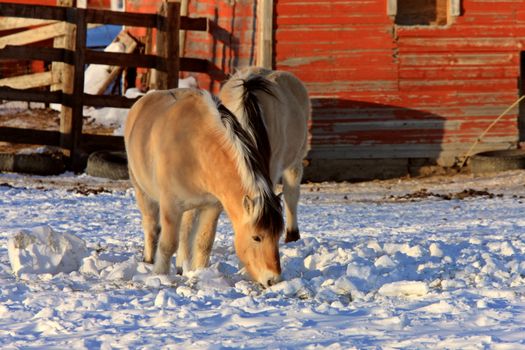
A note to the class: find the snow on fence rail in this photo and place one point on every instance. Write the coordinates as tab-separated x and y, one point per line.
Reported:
167	62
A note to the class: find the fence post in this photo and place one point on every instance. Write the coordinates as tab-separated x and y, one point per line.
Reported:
63	76
168	44
60	70
71	127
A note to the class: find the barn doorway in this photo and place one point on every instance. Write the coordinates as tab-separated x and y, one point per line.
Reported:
521	92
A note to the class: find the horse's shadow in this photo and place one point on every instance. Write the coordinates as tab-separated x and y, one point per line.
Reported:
355	140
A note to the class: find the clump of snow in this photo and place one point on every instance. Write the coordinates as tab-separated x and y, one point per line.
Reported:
404	288
188	82
42	250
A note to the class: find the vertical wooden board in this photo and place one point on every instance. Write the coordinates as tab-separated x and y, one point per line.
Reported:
265	33
75	125
171	43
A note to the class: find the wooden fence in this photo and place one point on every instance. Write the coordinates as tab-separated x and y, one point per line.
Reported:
167	62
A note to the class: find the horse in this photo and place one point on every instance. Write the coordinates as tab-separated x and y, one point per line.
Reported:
186	152
277	122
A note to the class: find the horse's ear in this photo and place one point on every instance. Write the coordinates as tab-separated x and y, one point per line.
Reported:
248	204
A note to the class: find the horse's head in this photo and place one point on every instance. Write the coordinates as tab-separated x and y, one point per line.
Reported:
257	242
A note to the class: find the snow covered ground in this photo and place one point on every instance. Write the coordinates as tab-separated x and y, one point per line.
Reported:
434	263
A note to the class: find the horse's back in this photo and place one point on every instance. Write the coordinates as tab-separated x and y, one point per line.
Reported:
290	90
161	133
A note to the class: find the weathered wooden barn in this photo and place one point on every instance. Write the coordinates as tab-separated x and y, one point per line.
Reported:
397	85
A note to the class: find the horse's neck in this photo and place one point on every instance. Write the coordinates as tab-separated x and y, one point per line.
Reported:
224	182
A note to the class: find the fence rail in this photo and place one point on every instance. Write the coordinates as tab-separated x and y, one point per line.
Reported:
168	22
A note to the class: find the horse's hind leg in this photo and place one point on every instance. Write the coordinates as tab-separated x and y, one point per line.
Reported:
170	221
186	233
205	229
291	187
150	221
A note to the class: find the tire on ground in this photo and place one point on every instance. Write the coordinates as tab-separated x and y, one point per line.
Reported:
494	161
108	164
37	164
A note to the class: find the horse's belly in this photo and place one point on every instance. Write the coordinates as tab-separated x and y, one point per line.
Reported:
199	201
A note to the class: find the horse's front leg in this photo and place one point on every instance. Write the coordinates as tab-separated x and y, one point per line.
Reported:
170	221
205	229
291	188
186	234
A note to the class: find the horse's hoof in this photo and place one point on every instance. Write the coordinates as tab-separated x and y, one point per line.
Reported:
178	270
292	236
161	270
148	261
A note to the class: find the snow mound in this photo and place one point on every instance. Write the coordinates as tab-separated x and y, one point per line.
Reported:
42	250
404	288
189	82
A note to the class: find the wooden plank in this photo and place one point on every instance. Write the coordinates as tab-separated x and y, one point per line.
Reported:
455	8
59	69
148	50
34	11
194	23
30	136
445	45
91	143
182	33
171	44
109	101
391	7
131	19
125	59
167	47
74	126
364	9
11	94
9	23
265	34
28	81
34	35
37	53
189	64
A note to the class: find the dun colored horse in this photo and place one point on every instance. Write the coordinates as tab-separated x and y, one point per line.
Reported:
281	134
188	153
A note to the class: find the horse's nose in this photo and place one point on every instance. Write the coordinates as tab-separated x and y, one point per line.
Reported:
272	281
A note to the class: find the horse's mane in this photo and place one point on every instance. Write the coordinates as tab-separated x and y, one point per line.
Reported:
243	87
252	157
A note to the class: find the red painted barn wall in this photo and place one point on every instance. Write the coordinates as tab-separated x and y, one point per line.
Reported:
381	90
230	42
385	91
